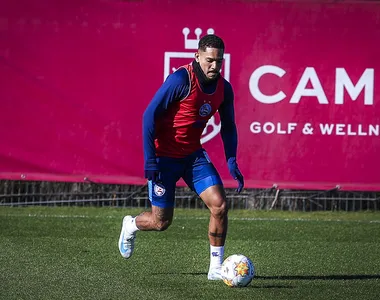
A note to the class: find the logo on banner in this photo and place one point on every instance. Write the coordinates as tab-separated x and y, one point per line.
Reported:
175	59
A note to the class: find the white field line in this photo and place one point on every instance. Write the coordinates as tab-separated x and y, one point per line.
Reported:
201	218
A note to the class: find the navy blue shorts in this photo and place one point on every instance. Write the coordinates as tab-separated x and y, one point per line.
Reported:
196	170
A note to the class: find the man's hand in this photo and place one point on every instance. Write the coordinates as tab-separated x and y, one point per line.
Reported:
235	173
151	171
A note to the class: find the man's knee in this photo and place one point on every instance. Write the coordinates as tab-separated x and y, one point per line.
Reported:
161	218
215	199
162	225
220	209
218	206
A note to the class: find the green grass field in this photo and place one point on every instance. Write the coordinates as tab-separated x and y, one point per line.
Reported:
71	253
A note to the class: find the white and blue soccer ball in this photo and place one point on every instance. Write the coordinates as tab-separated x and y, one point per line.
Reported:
237	270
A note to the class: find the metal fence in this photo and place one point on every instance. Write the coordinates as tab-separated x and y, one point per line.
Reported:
34	193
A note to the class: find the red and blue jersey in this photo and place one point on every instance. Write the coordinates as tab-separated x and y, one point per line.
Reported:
178	113
178	131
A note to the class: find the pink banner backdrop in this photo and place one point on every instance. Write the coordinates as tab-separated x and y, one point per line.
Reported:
76	76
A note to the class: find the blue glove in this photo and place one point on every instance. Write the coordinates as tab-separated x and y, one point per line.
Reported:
151	171
235	173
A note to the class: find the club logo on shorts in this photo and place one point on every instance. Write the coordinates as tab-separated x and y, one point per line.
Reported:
205	110
159	190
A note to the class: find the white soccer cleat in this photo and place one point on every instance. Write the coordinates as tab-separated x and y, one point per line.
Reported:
214	274
126	239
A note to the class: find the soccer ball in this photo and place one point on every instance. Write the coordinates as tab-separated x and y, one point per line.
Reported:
237	270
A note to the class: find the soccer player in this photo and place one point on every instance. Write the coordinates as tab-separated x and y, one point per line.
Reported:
173	124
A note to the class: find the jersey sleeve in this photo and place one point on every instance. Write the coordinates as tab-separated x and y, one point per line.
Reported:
175	88
228	129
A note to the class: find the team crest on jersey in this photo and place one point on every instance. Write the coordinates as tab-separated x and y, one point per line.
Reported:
205	110
159	189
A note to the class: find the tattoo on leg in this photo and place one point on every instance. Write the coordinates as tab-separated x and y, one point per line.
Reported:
217	235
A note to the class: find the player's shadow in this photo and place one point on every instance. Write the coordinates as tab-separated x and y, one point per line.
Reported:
320	277
272	286
287	277
284	277
180	273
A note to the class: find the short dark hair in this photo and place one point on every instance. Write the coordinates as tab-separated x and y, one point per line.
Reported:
210	41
